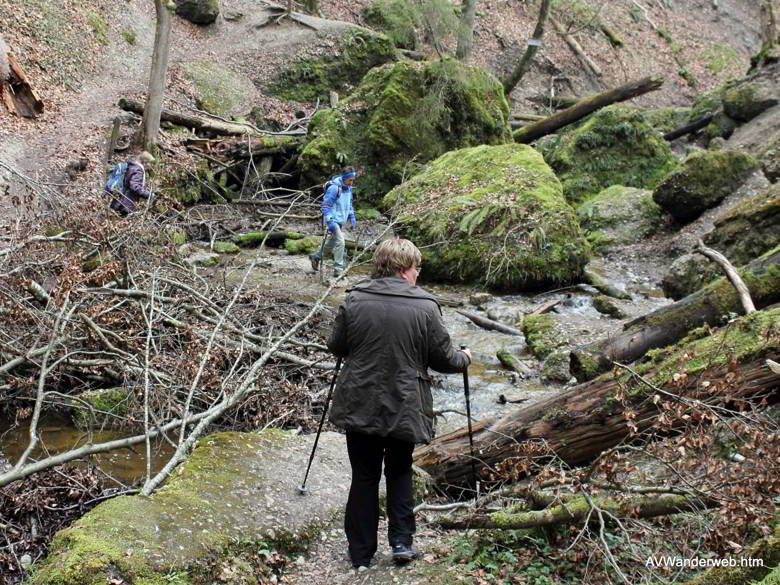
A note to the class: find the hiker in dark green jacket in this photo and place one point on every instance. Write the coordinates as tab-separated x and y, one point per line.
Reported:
390	332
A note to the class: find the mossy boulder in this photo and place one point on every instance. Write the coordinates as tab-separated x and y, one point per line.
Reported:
607	306
235	494
687	274
305	245
614	146
555	367
347	58
620	215
665	120
217	89
398	19
501	214
100	408
543	335
703	181
747	100
198	11
225	248
749	229
711	104
400	117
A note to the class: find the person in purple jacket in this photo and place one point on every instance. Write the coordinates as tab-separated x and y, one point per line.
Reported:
134	185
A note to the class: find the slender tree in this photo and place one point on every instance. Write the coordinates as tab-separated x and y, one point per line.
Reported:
514	77
154	98
466	30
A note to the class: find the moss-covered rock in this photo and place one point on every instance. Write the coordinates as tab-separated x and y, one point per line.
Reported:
711	104
225	248
747	100
500	211
555	367
350	57
703	181
219	90
749	229
543	335
665	120
198	11
100	408
194	184
400	117
606	306
235	494
614	146
305	245
620	215
687	274
398	19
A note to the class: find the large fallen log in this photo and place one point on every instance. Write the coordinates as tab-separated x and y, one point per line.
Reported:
578	509
672	322
579	424
219	127
16	91
586	106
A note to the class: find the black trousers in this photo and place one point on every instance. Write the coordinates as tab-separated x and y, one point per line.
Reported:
366	453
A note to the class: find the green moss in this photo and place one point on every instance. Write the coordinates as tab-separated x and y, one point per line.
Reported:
542	335
620	215
178	237
720	57
96	261
355	53
99	27
603	304
217	89
400	117
665	120
52	231
130	37
748	99
108	406
303	245
614	146
500	211
703	181
225	248
398	19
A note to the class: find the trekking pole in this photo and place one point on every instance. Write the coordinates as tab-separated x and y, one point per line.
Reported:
471	434
302	489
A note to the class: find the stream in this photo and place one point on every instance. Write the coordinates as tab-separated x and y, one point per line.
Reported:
489	381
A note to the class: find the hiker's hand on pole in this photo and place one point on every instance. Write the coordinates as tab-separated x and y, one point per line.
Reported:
467	352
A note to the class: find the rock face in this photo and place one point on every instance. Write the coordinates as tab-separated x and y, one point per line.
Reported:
198	11
499	211
703	181
218	90
750	229
614	146
400	117
234	492
620	215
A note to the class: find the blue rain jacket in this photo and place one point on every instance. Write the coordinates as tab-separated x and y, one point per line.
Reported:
337	203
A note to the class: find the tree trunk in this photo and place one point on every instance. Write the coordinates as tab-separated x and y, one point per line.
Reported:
688	128
534	43
154	97
586	106
577	509
576	48
672	322
486	323
466	31
576	425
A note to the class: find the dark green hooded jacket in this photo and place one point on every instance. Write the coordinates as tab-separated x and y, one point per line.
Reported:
389	333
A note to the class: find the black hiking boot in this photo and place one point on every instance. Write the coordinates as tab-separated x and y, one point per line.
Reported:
403	553
315	262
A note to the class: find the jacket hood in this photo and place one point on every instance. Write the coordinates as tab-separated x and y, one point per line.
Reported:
392	286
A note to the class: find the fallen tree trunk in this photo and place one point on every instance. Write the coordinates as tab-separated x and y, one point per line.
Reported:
688	128
576	48
219	127
576	510
486	323
586	106
672	322
579	424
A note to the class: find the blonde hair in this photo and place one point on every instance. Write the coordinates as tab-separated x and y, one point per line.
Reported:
395	256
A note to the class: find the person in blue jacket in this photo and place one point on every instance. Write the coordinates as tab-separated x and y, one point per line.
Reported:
336	212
